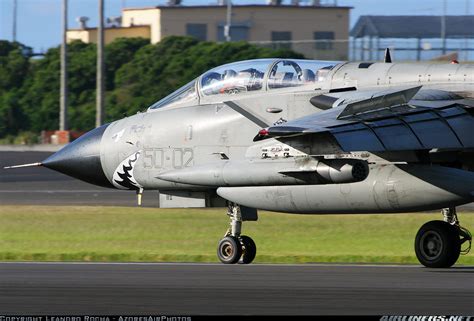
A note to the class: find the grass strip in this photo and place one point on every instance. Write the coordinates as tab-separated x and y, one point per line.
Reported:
124	234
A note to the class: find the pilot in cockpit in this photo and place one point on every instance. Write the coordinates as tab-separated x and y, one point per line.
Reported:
252	78
229	73
308	76
210	83
244	80
228	82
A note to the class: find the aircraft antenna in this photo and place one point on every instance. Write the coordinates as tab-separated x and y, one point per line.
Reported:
387	57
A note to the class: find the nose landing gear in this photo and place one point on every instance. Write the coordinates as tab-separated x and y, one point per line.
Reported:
438	243
234	246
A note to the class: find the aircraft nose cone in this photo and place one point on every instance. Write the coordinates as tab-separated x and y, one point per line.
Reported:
81	158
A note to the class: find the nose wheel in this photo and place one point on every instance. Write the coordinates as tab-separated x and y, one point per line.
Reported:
438	243
229	250
235	247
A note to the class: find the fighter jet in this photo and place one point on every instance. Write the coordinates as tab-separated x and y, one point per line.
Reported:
305	137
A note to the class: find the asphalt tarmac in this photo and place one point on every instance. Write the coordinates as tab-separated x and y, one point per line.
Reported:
191	289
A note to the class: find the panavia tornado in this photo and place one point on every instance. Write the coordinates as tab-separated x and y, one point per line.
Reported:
301	136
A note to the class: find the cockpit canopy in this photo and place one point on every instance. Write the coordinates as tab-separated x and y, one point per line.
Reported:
234	78
249	76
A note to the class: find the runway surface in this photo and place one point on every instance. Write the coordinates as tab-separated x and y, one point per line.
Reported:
189	289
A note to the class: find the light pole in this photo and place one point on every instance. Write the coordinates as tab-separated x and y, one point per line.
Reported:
99	119
63	86
15	7
443	28
466	42
228	22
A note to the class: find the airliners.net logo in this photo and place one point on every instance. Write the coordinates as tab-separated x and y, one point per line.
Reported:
426	318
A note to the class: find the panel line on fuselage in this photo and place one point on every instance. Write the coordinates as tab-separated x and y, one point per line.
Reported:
253	118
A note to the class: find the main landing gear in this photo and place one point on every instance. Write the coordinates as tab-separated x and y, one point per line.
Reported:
235	246
438	243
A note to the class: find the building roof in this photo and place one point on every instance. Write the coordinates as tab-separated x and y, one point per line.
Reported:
413	27
240	6
108	27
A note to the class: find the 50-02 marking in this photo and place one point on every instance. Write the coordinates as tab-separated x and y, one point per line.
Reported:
156	158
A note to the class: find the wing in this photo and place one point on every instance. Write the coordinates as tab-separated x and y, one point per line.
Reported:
392	120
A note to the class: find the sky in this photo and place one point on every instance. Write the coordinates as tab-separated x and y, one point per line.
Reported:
39	21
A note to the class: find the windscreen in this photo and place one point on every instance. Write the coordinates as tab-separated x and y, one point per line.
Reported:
187	93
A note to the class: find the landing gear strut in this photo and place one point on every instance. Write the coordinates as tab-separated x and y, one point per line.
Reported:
438	243
235	246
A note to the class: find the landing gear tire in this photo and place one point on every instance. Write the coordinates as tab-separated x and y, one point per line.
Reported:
249	249
234	245
229	250
437	244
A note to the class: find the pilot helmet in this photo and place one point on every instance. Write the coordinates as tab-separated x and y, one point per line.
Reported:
229	73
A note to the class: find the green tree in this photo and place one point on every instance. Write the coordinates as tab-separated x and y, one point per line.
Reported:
41	92
14	67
